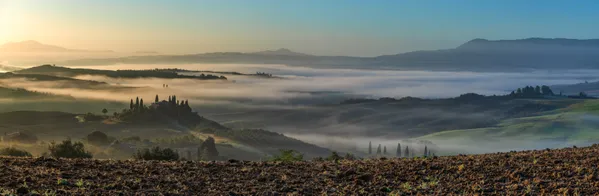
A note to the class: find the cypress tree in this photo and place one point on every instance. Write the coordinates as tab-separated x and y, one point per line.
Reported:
384	149
407	152
169	99
398	151
156	100
378	150
131	105
137	103
370	147
425	151
141	105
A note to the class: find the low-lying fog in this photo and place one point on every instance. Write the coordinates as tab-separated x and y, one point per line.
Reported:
255	92
373	83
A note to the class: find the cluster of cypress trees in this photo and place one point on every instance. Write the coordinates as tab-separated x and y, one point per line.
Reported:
174	105
138	106
398	153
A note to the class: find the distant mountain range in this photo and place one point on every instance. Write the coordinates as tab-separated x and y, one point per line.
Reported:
474	55
34	46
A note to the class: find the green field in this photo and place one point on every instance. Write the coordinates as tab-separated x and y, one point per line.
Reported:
574	125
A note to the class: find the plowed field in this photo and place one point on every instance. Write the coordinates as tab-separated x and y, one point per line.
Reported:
558	171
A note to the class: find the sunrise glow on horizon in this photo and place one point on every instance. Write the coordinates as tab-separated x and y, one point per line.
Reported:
327	28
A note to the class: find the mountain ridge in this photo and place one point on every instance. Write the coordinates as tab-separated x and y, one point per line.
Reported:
479	55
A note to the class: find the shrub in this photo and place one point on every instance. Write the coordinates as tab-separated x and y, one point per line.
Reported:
13	152
98	138
350	156
288	156
156	153
68	149
334	156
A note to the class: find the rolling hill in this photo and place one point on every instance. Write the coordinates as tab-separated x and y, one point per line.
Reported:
72	72
573	125
248	144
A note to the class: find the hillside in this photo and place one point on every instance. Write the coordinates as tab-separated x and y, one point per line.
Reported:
474	55
395	118
72	72
163	121
22	94
50	81
574	125
591	88
551	171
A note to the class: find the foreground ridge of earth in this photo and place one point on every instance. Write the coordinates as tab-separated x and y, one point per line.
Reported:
567	171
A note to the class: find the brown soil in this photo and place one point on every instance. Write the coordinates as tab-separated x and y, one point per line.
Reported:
567	171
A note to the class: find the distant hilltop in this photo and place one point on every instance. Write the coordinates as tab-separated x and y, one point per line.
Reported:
530	44
281	51
34	46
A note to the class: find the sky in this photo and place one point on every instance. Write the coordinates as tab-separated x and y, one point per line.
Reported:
331	27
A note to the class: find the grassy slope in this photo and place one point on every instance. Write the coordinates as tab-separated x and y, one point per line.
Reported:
576	124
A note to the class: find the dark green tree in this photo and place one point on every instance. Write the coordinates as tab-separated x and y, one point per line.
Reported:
537	90
137	103
208	148
98	138
131	105
425	151
519	91
378	150
104	111
156	153
398	151
68	149
407	152
141	105
156	100
546	90
370	147
384	149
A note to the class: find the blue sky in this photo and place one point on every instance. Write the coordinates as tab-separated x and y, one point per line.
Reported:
329	27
